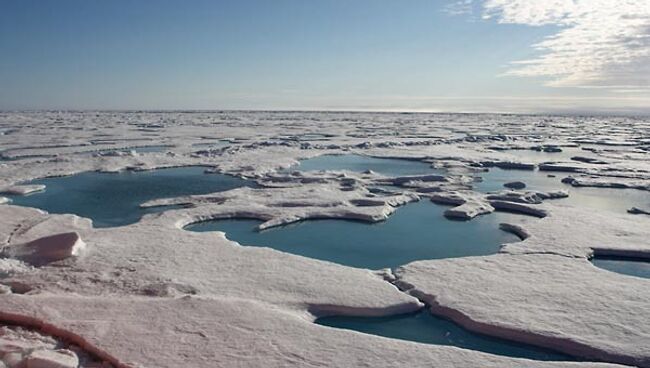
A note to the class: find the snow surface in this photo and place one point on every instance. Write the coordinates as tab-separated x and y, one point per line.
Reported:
151	294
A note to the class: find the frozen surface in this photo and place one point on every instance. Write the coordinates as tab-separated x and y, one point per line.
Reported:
21	347
150	294
240	332
513	297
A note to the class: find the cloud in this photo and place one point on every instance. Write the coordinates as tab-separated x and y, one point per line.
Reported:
598	44
459	7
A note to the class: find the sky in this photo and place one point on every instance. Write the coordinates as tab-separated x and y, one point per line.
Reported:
518	56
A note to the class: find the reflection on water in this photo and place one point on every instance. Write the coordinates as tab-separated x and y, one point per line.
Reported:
114	199
416	231
426	328
532	156
601	199
359	163
626	266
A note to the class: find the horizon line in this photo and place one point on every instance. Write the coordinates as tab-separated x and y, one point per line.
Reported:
352	111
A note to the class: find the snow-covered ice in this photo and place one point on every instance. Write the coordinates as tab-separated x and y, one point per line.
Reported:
150	294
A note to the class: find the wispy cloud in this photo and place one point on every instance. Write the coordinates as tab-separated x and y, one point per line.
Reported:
460	7
599	43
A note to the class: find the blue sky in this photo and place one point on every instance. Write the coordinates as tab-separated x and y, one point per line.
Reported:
297	54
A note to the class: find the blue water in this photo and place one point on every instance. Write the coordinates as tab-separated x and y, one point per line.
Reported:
531	156
599	199
416	231
359	163
113	199
426	328
626	266
494	179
